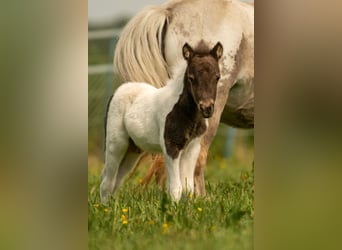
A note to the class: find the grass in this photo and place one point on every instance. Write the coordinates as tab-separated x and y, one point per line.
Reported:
147	219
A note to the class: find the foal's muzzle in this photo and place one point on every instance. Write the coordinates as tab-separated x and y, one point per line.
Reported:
207	108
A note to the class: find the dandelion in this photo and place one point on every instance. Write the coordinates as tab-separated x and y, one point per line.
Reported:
190	195
199	209
124	210
165	228
106	210
124	219
96	205
140	180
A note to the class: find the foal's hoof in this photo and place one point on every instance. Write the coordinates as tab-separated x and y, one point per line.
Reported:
104	196
176	195
104	199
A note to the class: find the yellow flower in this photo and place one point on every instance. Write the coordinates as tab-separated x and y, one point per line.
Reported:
124	219
151	222
140	180
190	195
96	205
199	209
165	228
106	210
124	210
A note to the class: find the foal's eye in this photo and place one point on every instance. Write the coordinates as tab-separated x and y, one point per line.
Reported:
191	79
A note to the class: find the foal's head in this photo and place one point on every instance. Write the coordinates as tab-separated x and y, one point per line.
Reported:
202	75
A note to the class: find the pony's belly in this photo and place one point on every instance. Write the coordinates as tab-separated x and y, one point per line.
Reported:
148	146
143	131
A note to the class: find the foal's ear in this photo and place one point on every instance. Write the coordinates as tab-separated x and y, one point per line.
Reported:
217	51
187	51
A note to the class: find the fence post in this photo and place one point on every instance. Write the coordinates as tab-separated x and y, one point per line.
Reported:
229	142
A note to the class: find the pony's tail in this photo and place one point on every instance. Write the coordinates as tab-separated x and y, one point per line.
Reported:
139	52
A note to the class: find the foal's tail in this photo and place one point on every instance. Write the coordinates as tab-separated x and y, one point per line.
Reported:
139	52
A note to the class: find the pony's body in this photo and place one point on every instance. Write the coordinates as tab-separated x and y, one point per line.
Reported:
169	120
136	124
140	104
149	49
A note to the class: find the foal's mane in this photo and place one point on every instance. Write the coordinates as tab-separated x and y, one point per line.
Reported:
202	48
179	71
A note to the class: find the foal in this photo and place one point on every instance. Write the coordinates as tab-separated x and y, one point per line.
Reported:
170	120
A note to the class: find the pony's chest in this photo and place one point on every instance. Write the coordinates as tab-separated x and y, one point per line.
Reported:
179	131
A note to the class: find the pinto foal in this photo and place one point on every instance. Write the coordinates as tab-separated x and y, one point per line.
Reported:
170	120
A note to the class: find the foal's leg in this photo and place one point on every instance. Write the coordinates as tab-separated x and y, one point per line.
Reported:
129	161
188	164
115	152
173	176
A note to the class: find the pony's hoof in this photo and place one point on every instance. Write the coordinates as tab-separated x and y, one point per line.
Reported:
176	195
104	195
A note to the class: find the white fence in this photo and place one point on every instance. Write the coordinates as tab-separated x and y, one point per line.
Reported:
108	34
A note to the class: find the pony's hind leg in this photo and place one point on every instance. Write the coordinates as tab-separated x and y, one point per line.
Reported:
129	161
115	152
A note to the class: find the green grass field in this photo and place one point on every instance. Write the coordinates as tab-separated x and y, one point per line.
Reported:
147	219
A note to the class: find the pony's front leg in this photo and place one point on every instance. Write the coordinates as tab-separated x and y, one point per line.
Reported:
188	164
173	176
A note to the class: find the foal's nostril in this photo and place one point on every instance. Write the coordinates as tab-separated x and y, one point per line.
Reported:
207	110
210	109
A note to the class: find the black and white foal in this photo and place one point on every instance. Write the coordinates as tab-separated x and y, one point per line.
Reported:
170	120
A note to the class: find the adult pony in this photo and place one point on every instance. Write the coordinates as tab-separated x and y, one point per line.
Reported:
170	120
150	45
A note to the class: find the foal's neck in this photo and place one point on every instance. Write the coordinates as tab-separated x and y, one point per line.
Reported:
186	101
183	123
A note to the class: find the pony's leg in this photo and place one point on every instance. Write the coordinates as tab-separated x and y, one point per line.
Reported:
128	163
202	159
173	176
199	170
157	170
221	99
115	152
187	165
